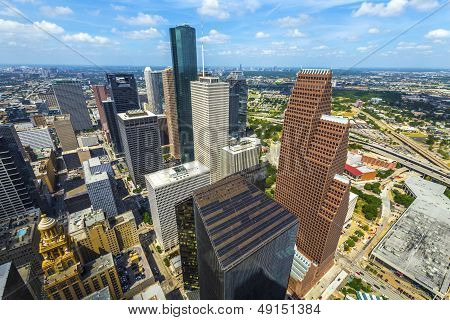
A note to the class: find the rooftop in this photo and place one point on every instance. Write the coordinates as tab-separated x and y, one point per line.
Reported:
176	174
417	245
240	219
135	114
102	294
4	274
315	71
154	292
243	145
336	119
17	232
99	265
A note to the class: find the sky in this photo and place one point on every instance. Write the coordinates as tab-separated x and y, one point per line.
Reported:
283	33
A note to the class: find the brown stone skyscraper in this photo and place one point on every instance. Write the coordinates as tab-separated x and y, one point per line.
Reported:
101	94
171	111
309	181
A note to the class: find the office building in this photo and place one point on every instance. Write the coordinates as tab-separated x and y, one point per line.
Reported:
101	186
139	132
309	179
184	61
39	120
210	122
49	98
184	212
19	242
101	94
113	127
65	132
240	155
245	242
154	87
238	103
70	97
171	112
123	91
94	234
12	286
168	187
45	169
36	138
65	278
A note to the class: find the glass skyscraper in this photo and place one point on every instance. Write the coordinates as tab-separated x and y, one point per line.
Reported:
184	60
245	242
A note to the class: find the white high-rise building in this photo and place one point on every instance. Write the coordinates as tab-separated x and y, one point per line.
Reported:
154	87
240	155
101	186
140	136
168	187
210	112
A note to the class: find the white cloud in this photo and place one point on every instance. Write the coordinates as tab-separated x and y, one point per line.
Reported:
10	11
278	43
252	5
225	53
391	8
322	47
295	33
163	46
49	27
412	45
56	11
118	7
424	5
289	22
374	30
364	49
214	36
212	8
267	52
142	19
86	38
438	34
261	34
141	34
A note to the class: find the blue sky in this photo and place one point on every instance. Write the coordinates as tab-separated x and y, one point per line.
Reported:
322	33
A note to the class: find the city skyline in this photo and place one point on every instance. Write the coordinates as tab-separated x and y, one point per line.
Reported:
334	34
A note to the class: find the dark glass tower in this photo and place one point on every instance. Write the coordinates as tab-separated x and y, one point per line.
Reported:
245	242
238	103
184	60
113	128
184	211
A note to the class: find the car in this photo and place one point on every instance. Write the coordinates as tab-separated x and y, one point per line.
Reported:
376	286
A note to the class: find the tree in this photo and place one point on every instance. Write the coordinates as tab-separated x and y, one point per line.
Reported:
147	218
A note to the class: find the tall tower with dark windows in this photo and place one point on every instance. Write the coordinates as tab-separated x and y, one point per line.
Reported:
184	59
309	180
238	103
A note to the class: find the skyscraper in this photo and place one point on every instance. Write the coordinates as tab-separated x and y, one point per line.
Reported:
101	94
210	122
245	242
238	103
113	129
239	156
168	187
65	133
123	91
101	186
154	87
309	181
139	133
171	112
71	100
184	61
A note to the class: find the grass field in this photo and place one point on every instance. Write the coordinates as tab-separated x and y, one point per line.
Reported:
415	134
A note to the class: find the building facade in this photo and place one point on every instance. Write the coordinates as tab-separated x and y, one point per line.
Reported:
238	103
101	94
171	112
123	91
309	179
139	132
71	100
239	156
13	287
245	242
210	122
113	127
165	189
65	132
155	93
36	138
184	61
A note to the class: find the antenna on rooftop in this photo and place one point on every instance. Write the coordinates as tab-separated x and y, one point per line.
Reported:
203	55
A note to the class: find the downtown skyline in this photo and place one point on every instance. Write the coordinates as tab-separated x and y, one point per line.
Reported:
335	34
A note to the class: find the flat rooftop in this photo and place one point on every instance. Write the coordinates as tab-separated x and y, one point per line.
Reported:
176	174
418	243
240	219
99	265
341	120
243	145
102	294
135	114
17	232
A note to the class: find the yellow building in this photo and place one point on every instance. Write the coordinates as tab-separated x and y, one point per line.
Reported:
94	235
65	278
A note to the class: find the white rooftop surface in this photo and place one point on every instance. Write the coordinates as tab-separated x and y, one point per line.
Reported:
341	179
365	169
336	119
84	218
176	174
418	244
135	114
352	196
353	158
315	71
243	145
153	292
